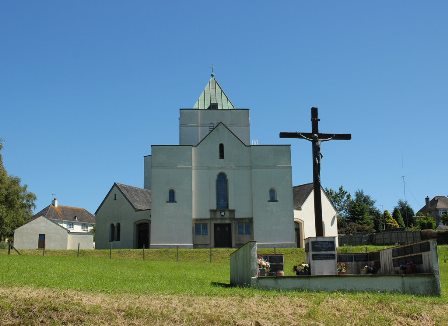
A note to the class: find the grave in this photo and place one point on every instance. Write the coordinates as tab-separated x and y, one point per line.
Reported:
321	255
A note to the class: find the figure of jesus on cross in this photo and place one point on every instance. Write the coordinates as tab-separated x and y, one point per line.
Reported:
316	138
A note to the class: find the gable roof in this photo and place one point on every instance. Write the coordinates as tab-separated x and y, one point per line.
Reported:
215	128
438	202
138	198
302	192
66	213
213	93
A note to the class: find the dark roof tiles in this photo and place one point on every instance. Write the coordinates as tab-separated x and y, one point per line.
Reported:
139	198
301	193
66	213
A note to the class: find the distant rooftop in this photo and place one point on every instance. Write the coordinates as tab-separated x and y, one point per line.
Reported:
66	213
213	97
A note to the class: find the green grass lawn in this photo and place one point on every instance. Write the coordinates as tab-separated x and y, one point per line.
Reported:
183	276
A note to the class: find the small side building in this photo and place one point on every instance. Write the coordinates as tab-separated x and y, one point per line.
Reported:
304	214
124	218
57	227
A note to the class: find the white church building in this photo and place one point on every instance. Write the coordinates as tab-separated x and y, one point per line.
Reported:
214	189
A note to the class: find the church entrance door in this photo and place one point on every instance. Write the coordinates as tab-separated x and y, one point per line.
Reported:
223	235
142	233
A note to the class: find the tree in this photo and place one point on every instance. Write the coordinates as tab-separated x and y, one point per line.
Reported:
407	213
397	217
425	222
16	202
362	210
340	199
445	219
389	221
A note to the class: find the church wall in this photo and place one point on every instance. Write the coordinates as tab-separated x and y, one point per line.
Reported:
171	222
147	163
115	211
273	220
236	165
329	217
196	124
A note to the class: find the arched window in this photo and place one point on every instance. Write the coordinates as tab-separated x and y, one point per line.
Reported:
117	229
112	233
221	151
222	192
272	195
171	196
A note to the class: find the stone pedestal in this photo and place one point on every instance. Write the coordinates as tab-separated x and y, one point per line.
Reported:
321	255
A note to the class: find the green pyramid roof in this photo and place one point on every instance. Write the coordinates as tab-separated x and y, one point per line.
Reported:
213	94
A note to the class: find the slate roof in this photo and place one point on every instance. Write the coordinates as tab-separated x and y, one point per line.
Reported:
66	213
438	202
301	193
213	93
139	198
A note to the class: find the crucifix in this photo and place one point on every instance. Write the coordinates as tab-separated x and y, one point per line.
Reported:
316	138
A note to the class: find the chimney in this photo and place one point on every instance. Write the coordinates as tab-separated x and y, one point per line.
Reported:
54	202
427	201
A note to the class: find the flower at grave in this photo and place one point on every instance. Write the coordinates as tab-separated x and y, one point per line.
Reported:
341	267
301	269
263	263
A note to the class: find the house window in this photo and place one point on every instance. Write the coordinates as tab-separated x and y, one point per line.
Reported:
201	229
222	192
117	230
84	227
70	225
171	196
244	228
272	195
112	233
115	196
221	151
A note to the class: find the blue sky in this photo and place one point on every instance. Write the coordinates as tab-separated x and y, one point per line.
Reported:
87	86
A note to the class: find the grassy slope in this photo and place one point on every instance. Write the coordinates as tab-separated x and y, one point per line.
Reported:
95	289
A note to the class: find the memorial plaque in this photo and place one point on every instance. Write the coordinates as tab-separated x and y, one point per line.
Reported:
317	246
323	256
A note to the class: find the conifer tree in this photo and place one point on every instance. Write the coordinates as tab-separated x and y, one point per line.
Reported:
390	221
397	217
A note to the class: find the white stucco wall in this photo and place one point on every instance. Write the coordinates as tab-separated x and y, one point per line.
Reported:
273	221
115	211
27	236
171	223
329	217
85	241
207	166
194	124
147	171
77	226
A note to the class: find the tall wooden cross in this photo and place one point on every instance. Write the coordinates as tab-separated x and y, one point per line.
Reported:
316	138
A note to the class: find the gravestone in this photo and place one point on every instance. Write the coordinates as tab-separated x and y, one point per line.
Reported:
321	255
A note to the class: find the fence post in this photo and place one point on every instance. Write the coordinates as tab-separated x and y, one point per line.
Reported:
110	250
275	251
9	248
43	251
78	249
177	253
210	254
143	252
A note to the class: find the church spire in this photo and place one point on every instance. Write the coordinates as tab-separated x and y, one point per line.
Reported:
213	97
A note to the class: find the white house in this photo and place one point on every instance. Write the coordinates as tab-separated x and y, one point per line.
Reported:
57	227
304	214
213	189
